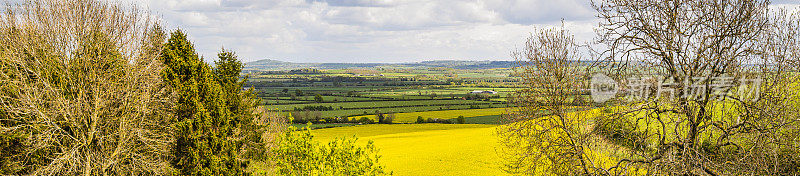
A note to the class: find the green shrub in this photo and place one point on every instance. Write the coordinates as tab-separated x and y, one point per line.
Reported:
438	120
318	98
460	120
298	154
380	117
420	119
365	120
621	132
386	119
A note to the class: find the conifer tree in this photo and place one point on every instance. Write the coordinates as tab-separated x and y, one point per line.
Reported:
242	105
205	138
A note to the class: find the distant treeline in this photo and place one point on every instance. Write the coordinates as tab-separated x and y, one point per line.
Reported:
295	71
278	65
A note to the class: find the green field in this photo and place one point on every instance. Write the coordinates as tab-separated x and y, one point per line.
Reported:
327	99
378	104
489	119
447	114
370	112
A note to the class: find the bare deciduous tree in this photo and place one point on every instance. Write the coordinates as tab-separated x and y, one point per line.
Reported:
543	134
706	87
695	49
272	124
80	90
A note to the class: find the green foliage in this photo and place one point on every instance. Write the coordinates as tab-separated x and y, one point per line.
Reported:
365	120
438	120
420	119
460	120
242	105
621	131
299	154
11	145
380	117
318	98
207	113
226	72
386	119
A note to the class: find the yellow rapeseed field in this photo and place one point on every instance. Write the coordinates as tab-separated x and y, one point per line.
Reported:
441	149
428	149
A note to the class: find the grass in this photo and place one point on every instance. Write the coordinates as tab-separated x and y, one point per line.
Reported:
411	117
490	119
428	149
370	112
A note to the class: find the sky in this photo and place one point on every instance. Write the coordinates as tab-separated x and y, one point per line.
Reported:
370	30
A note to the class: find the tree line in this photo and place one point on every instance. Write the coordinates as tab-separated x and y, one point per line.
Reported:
98	88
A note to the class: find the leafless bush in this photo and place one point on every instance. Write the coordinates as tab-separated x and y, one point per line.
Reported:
271	125
80	88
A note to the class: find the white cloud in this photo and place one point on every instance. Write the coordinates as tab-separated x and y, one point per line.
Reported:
785	2
367	30
538	11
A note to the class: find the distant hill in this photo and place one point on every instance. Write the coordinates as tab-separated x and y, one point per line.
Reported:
268	64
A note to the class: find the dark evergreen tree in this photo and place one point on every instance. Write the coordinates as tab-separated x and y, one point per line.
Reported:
205	124
242	105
